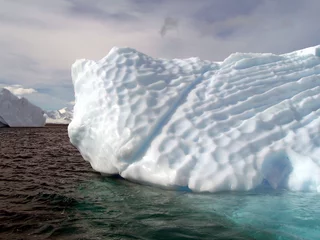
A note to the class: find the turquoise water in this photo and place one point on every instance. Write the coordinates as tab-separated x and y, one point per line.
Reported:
117	208
49	192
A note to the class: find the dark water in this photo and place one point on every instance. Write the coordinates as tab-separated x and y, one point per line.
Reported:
47	191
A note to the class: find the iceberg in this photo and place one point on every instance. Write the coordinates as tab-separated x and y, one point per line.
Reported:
250	121
19	112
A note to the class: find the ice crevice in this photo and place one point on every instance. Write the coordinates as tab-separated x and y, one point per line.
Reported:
164	120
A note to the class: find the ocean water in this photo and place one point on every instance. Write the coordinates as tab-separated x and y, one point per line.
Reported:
47	191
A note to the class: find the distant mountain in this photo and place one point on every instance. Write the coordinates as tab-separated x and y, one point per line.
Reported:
62	116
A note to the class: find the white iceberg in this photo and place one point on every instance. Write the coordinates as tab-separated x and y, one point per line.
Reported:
250	120
19	112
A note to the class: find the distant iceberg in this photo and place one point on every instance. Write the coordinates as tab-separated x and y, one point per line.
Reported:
19	112
251	120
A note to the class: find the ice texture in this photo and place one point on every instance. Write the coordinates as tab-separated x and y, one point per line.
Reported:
249	121
19	112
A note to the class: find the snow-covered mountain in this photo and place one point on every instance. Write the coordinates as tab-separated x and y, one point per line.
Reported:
250	120
19	112
62	116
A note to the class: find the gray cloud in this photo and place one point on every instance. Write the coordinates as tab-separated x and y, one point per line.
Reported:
168	24
41	39
216	10
98	10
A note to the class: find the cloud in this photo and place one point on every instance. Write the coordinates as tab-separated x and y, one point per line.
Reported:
41	39
219	11
99	10
169	24
48	97
19	90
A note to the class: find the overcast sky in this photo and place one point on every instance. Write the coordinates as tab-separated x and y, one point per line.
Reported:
40	39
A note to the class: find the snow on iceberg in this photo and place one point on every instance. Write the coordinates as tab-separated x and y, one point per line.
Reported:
19	112
250	120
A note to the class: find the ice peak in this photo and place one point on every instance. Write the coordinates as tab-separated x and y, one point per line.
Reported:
19	112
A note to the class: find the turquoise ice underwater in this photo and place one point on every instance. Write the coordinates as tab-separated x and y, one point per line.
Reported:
249	122
117	208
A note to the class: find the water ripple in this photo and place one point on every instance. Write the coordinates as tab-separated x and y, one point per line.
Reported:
47	191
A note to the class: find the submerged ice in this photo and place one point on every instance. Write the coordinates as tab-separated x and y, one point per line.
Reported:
19	112
250	120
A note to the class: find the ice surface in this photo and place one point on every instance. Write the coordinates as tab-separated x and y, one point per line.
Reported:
252	119
62	116
19	112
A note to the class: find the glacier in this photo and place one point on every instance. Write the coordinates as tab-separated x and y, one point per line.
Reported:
19	112
250	121
61	116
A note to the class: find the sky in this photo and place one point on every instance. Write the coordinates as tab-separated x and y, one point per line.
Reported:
41	39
